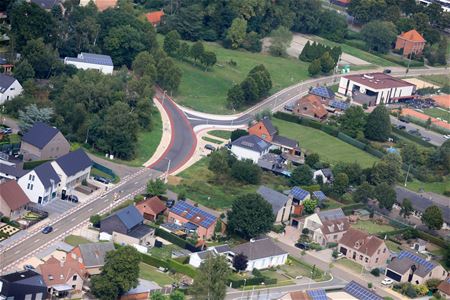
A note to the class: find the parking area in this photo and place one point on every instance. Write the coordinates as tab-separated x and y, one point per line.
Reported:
57	207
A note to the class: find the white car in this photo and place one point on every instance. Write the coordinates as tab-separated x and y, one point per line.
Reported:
387	281
447	136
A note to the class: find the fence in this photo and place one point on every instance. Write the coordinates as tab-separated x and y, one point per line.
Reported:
104	169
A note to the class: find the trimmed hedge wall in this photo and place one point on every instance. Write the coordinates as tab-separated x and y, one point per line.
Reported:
169	264
434	239
175	240
348	209
237	283
153	261
29	165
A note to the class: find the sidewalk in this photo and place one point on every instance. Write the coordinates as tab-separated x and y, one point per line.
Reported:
166	134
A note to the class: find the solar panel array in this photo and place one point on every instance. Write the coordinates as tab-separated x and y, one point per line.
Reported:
191	211
448	279
321	91
299	193
360	292
96	58
317	295
320	195
339	105
262	144
426	264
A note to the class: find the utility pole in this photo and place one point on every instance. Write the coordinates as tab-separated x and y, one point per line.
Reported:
407	174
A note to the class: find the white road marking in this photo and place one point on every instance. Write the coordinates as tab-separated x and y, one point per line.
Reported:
18	251
37	240
73	219
90	209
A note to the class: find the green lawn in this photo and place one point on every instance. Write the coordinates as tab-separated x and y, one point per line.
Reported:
97	172
440	80
224	134
351	265
75	240
207	91
151	273
211	140
372	227
435	187
295	267
201	186
393	247
438	113
371	58
164	252
329	148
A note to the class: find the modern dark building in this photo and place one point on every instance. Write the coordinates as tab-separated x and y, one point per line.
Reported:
23	285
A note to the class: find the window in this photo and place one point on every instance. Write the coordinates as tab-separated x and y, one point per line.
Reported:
74	277
360	257
28	186
53	194
378	252
263	136
30	177
50	277
384	250
366	259
31	187
376	260
335	236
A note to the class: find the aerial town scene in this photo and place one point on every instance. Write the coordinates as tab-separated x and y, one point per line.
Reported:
225	149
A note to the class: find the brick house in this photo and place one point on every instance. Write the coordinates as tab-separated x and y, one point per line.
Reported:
92	256
12	200
151	208
202	222
367	250
411	42
310	106
43	142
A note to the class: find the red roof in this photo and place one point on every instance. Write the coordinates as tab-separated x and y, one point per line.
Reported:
413	36
105	4
154	17
316	105
56	272
13	195
152	206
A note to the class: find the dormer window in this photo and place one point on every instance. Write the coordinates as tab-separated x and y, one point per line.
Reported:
50	277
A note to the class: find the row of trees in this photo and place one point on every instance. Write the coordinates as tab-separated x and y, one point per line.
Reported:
243	23
323	59
255	86
181	50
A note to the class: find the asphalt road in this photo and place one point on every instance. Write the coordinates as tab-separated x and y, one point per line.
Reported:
183	140
34	242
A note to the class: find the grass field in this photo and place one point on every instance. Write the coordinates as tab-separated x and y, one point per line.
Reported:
200	186
329	148
351	265
207	91
393	247
440	80
438	113
220	133
75	240
211	140
151	273
164	252
435	187
372	227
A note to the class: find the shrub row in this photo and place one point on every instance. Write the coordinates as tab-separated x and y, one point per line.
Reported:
29	165
433	239
175	240
170	264
237	283
411	137
348	209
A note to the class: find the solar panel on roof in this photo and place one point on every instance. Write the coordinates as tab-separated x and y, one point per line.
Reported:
190	211
299	193
339	105
360	292
317	294
320	195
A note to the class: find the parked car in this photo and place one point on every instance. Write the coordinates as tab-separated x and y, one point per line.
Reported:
47	229
387	281
210	147
447	136
289	107
28	267
426	139
387	71
401	127
404	120
102	179
6	130
303	246
72	198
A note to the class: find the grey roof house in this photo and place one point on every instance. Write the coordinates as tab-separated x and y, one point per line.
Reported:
127	227
23	285
250	147
9	88
92	255
47	4
261	254
43	142
91	61
274	163
196	258
281	204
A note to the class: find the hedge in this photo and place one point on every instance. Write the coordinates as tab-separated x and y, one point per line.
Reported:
411	137
153	261
348	209
237	283
175	240
434	239
29	165
180	268
349	140
373	151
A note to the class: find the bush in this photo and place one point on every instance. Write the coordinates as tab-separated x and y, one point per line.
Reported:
29	165
335	254
257	273
332	245
410	291
138	198
95	220
375	272
279	228
369	285
315	246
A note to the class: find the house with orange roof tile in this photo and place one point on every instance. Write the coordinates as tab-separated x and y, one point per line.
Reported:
411	42
101	4
154	17
310	106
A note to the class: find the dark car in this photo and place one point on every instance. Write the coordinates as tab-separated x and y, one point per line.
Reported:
387	71
72	198
426	139
210	147
303	246
170	203
404	120
47	229
102	179
28	267
401	127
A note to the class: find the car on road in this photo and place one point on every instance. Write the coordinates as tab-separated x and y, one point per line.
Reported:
47	229
6	130
426	139
28	267
414	132
210	147
289	107
303	246
387	281
72	198
102	179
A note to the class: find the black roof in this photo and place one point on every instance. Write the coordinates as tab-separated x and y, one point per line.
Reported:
12	170
18	284
74	162
284	141
252	142
5	82
40	135
47	174
269	126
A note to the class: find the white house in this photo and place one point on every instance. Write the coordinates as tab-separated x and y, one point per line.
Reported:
40	184
261	254
90	61
196	258
9	88
375	88
72	169
326	175
250	147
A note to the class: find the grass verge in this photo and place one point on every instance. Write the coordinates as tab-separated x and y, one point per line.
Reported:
440	80
329	148
75	240
436	112
436	187
224	134
211	140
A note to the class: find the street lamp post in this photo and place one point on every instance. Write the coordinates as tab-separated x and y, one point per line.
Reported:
167	171
243	289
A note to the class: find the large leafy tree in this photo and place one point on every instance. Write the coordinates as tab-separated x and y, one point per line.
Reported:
353	121
302	175
432	217
352	170
246	171
33	114
172	42
23	71
168	74
156	187
237	32
240	262
42	57
407	208
211	281
379	35
378	126
340	184
363	193
385	195
119	274
387	170
250	216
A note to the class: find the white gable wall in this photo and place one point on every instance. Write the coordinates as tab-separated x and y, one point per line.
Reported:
244	153
33	188
268	262
87	66
14	90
